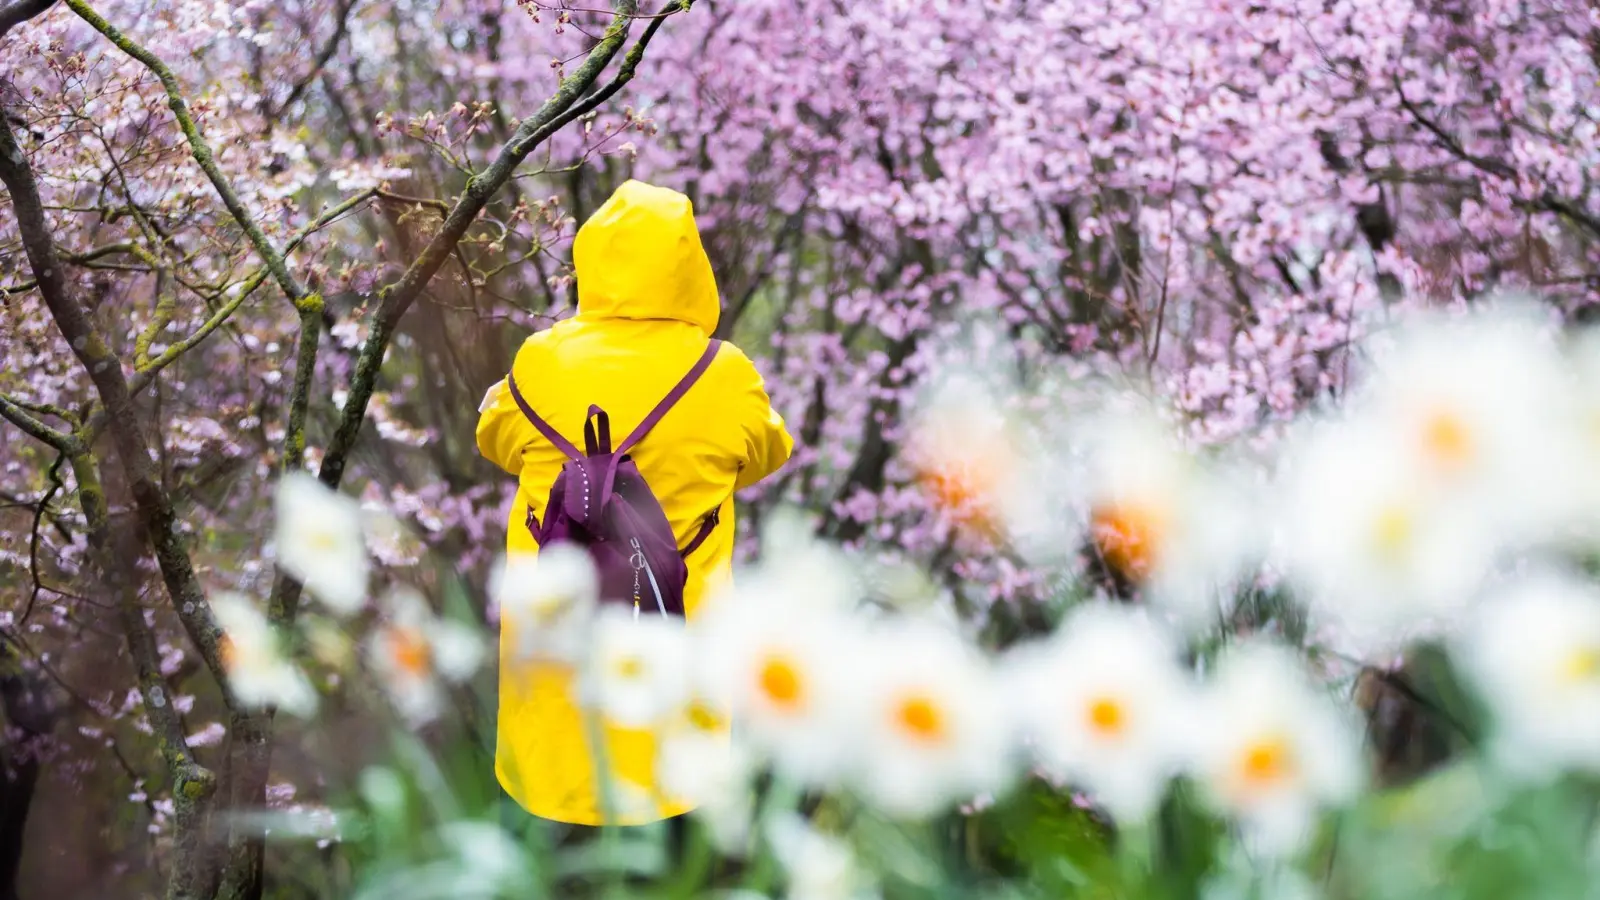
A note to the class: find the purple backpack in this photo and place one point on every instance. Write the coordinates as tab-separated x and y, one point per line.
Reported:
602	503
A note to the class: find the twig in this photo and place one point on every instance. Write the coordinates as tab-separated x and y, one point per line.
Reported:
33	541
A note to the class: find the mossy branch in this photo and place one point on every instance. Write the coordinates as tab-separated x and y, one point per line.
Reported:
148	372
13	412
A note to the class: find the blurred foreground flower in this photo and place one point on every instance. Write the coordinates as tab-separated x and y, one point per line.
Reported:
1475	408
1584	429
318	538
787	671
699	764
1270	749
637	669
412	651
1371	552
1159	517
1533	654
797	569
1100	704
928	728
546	603
258	673
965	451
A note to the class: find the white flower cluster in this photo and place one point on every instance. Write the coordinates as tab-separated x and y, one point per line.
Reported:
905	712
321	539
1449	494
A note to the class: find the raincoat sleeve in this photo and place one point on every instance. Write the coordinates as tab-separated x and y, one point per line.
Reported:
767	440
503	432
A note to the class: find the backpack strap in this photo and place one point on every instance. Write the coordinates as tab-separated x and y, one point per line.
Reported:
707	524
672	397
550	434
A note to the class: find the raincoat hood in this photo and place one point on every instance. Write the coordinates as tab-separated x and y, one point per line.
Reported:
640	257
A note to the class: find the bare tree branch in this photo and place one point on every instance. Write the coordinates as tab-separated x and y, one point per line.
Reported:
563	107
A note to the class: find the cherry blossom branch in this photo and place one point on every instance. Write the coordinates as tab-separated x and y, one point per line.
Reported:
39	511
147	373
83	258
105	370
19	11
1547	201
201	151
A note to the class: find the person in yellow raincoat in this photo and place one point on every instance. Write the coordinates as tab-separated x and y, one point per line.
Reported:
647	306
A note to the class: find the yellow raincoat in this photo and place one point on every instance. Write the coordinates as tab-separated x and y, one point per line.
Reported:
647	304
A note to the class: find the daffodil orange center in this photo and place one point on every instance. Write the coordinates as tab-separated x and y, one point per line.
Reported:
1106	717
1128	537
229	652
410	651
1265	762
780	683
1446	440
921	718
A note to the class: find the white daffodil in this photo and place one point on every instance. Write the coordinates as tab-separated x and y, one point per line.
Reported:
965	450
1473	408
1101	704
415	653
388	539
1533	654
1158	516
259	675
983	453
698	764
1270	749
637	671
927	731
546	603
817	866
786	671
1376	554
318	540
696	748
